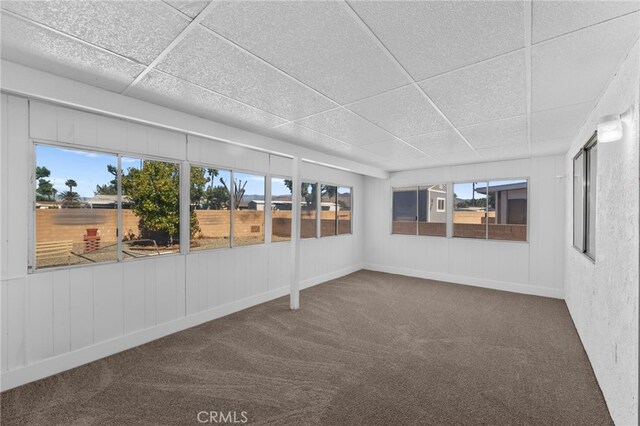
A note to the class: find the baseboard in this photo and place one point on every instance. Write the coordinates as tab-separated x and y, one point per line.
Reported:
330	276
476	282
57	364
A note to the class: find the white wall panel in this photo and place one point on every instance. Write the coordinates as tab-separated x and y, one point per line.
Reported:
61	312
489	263
81	307
134	296
39	317
64	312
108	302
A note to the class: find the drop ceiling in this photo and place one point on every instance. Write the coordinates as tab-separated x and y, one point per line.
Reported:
394	85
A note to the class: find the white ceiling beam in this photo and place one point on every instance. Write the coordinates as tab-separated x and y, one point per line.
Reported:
39	85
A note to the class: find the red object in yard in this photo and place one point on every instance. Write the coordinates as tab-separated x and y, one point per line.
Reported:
91	240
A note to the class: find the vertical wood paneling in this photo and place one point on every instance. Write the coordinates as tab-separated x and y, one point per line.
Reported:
81	307
201	275
4	325
65	125
108	302
111	134
150	282
134	296
19	172
191	284
166	276
39	317
61	312
180	290
16	323
226	276
85	131
136	138
43	123
210	279
4	185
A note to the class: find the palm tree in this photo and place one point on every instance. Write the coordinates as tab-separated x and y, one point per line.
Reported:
71	184
70	197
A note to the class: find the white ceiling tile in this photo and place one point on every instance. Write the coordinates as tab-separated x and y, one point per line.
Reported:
575	68
553	18
505	152
136	29
498	133
404	112
559	123
551	146
169	91
445	142
393	149
208	61
487	91
346	126
40	48
308	138
189	8
432	37
315	42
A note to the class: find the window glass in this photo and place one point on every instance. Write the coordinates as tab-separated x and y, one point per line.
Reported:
329	210
248	213
404	211
281	209
150	207
578	202
210	208
470	214
308	210
432	215
507	210
592	163
76	207
344	210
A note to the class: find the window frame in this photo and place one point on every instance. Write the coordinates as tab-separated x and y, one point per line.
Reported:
585	187
271	177
417	189
338	234
444	205
233	207
31	236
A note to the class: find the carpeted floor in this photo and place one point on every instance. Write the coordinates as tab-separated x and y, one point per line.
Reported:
368	349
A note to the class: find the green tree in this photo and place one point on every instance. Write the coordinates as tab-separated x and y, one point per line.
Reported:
154	191
70	183
70	199
110	188
45	190
42	172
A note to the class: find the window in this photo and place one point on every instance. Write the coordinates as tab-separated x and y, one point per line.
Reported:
495	210
584	198
76	217
77	196
470	210
404	210
308	210
248	213
150	207
210	208
344	210
432	220
281	208
329	210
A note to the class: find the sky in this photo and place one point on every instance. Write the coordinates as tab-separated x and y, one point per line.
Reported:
464	190
89	169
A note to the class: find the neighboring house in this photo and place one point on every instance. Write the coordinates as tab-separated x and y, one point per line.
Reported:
432	204
106	202
510	202
285	205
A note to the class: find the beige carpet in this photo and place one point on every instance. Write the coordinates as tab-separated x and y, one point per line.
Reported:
369	349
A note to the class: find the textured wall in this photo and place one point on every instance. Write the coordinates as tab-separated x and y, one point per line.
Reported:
603	296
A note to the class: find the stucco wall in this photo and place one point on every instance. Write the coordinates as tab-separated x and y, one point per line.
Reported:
603	296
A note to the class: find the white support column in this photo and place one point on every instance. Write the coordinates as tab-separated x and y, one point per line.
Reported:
294	301
267	208
318	209
185	207
119	207
232	206
450	207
